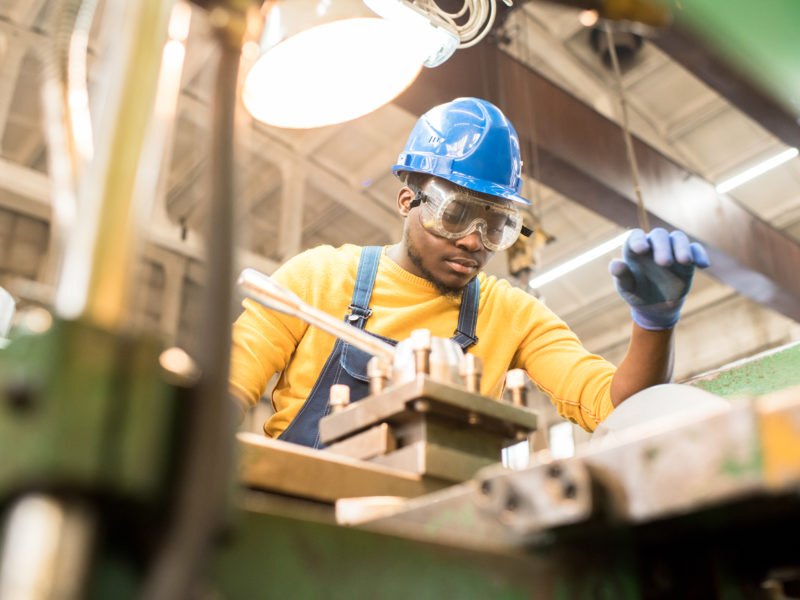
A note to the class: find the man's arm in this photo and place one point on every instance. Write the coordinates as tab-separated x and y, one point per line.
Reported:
654	278
648	361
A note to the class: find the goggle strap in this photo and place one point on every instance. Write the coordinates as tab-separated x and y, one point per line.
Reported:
419	196
525	231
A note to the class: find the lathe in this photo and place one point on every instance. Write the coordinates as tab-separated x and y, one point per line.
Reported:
121	475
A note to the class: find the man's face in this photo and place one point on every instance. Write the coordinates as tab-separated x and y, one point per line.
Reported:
450	264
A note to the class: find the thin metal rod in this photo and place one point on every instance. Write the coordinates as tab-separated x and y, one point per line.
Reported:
265	291
644	222
205	474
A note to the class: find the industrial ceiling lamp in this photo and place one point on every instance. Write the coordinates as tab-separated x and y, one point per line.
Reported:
328	61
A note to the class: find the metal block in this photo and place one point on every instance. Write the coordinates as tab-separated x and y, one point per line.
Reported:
397	404
295	470
434	461
685	467
751	452
446	433
375	441
548	495
449	516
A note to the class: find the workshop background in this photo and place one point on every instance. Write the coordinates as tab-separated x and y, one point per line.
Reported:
333	185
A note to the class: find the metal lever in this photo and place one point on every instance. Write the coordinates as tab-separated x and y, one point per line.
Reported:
259	287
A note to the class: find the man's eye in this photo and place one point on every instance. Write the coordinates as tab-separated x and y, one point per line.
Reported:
497	222
455	212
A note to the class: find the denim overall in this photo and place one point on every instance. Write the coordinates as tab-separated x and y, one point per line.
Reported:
348	365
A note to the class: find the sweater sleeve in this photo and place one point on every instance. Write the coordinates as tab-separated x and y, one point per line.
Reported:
577	381
263	340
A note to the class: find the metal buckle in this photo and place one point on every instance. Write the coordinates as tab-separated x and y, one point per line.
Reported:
356	313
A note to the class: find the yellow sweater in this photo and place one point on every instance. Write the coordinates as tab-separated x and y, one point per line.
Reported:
514	330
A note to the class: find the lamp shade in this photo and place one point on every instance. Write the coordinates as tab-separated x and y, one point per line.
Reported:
323	62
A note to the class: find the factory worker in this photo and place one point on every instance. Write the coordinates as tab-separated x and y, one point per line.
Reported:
460	175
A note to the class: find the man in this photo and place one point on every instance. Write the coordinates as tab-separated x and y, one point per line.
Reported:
461	171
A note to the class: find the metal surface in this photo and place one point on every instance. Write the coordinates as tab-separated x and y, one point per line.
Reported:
283	556
779	434
83	408
318	475
498	510
581	155
698	464
770	371
47	548
439	398
265	291
367	444
434	460
699	510
88	417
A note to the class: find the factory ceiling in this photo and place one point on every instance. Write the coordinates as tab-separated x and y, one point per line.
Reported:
300	188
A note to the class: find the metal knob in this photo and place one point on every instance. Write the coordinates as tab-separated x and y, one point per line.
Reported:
471	369
378	371
515	382
339	397
421	345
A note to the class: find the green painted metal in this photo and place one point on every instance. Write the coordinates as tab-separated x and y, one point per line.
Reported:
762	374
759	37
83	408
280	557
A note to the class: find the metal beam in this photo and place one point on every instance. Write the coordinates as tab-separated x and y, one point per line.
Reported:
582	156
704	64
354	199
32	197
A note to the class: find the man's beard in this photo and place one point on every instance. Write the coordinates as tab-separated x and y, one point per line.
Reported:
445	290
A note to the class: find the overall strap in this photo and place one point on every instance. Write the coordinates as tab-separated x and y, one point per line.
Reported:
365	280
468	316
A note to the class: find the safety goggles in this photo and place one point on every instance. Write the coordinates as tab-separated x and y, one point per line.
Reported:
454	214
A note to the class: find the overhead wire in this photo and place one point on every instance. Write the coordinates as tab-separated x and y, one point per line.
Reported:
644	222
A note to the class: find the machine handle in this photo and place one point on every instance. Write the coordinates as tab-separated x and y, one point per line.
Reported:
264	290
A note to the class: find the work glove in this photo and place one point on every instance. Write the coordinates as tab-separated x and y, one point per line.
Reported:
655	275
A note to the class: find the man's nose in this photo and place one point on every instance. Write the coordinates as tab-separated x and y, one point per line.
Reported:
472	241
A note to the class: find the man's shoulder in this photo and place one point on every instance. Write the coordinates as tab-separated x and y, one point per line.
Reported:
502	290
325	256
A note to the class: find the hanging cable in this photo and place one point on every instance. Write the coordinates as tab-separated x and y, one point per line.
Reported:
644	223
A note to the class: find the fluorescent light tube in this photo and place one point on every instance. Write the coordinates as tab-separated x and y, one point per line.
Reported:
759	169
578	261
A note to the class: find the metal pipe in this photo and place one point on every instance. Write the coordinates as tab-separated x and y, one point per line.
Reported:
96	273
261	288
204	477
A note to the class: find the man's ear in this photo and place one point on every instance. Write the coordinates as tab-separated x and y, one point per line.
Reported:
404	198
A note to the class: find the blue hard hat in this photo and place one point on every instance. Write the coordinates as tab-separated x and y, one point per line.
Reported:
469	142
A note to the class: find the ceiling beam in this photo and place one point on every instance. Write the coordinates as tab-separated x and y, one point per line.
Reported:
685	45
260	142
32	197
582	156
